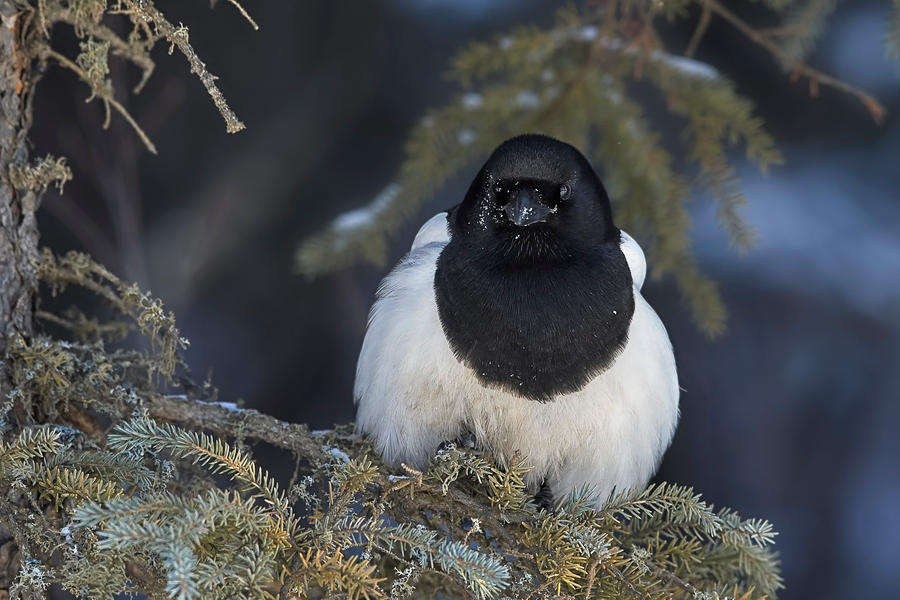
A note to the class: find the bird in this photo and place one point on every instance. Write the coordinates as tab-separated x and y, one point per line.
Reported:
517	318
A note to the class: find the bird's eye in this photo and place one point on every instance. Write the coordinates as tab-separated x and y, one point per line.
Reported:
498	189
565	191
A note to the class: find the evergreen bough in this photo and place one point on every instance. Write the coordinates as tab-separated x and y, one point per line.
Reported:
121	474
132	501
588	80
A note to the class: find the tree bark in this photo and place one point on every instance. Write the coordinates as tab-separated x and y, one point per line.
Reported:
18	226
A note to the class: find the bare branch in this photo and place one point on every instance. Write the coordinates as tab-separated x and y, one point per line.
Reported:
105	94
244	14
177	36
874	107
702	26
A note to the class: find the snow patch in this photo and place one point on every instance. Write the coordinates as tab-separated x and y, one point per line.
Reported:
528	99
337	453
688	66
588	32
361	217
466	136
231	406
472	100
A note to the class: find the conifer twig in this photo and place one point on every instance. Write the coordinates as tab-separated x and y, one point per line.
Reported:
874	107
672	578
635	592
699	31
104	94
247	423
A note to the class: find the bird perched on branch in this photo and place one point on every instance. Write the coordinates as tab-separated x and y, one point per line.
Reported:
517	317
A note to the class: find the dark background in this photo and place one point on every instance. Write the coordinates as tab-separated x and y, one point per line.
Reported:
792	415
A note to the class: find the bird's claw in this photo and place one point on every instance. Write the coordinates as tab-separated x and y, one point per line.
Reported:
465	441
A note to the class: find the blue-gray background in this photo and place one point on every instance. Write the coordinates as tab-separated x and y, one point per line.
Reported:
793	415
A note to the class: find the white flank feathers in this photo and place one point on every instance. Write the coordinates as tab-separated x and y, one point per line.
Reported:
413	393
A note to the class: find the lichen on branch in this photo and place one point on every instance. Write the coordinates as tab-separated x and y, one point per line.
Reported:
149	26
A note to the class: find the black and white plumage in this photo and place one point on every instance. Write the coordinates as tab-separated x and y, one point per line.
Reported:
517	316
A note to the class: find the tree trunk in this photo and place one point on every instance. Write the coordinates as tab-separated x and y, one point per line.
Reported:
18	227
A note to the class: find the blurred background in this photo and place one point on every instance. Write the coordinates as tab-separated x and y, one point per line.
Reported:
792	415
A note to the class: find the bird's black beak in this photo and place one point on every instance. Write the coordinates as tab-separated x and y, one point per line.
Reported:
526	208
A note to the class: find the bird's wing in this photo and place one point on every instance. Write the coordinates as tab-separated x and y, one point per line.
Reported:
635	258
435	229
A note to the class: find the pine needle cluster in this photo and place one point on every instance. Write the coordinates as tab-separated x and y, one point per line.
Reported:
591	80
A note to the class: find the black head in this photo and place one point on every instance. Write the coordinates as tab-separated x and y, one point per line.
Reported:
533	292
535	200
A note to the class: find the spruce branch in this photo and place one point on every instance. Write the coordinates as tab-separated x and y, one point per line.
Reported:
61	483
145	509
241	423
218	456
652	545
569	82
799	69
573	81
485	575
337	573
30	443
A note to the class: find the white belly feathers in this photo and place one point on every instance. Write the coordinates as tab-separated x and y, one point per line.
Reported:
414	394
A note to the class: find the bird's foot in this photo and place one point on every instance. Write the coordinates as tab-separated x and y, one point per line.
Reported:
466	441
544	497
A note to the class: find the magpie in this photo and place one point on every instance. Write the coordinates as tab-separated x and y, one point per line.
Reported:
517	316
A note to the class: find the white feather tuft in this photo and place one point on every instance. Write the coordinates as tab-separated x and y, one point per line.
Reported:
635	258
